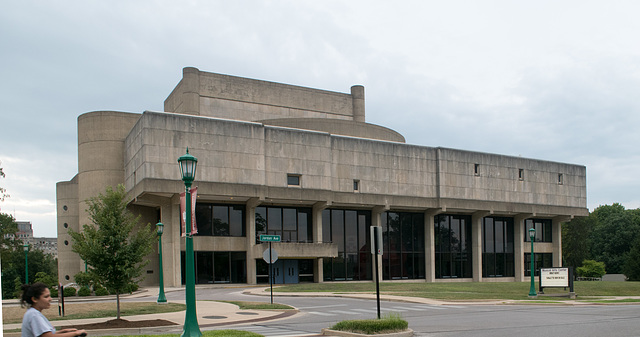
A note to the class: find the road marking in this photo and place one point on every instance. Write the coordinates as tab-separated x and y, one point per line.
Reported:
408	308
324	306
430	307
345	312
368	311
320	313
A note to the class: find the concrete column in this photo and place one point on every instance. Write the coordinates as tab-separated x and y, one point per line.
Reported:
519	245
377	221
172	242
191	91
357	97
476	244
430	244
318	207
556	237
251	205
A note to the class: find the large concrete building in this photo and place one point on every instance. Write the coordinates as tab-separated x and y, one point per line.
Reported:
303	163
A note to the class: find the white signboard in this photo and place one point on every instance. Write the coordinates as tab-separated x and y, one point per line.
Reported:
554	277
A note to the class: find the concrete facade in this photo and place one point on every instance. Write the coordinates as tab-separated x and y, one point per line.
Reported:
249	136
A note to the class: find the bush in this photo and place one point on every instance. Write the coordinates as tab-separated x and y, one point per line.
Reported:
54	292
101	291
69	291
390	323
591	268
84	279
84	291
130	288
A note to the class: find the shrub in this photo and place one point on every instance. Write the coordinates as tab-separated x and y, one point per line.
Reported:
84	291
54	292
131	287
591	268
389	323
69	291
101	291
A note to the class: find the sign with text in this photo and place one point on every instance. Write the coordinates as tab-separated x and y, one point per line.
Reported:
270	238
554	277
183	213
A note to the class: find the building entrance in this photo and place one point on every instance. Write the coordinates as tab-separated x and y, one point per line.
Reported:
285	272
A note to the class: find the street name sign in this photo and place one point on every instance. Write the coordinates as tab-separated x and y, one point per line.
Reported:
270	238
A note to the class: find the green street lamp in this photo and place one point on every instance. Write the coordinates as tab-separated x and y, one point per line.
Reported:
188	172
532	289
160	229
26	262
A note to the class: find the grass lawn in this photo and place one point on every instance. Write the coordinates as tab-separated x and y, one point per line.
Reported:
453	291
92	310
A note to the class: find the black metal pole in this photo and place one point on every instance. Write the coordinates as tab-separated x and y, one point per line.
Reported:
270	272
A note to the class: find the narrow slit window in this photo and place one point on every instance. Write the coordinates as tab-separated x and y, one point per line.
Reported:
293	179
521	174
560	179
476	169
356	185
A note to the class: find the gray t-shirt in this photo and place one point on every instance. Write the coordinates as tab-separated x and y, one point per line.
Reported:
34	324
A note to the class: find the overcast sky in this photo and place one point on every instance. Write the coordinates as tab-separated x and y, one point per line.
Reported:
552	80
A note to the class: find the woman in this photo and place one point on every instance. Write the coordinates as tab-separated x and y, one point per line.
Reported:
38	297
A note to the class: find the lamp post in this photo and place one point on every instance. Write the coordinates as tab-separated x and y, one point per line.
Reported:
160	229
532	289
188	172
26	262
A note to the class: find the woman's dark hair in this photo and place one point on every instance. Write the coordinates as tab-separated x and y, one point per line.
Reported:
31	290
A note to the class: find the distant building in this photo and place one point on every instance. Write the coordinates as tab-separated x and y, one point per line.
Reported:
302	163
25	231
25	234
46	245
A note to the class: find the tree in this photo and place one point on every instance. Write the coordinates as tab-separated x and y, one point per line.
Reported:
632	263
576	240
3	191
112	249
613	235
591	268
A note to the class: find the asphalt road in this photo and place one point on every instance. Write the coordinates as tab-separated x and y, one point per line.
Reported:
447	320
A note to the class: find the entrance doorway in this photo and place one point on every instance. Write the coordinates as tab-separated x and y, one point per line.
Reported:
285	272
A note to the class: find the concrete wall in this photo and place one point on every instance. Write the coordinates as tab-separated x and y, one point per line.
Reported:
244	153
224	96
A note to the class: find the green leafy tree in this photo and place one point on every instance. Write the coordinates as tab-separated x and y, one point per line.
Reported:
3	191
576	240
613	235
110	246
632	263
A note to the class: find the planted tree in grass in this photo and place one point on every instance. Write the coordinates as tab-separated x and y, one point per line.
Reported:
110	246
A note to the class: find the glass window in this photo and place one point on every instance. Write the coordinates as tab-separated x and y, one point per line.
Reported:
497	259
293	179
541	260
292	224
350	231
542	228
452	240
220	219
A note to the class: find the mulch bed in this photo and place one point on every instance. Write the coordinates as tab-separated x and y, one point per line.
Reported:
122	324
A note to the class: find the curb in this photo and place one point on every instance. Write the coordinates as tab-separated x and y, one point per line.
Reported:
329	332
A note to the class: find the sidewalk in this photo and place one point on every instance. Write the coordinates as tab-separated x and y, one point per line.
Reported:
210	314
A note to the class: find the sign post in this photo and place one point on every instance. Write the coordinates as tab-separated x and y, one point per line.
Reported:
376	249
270	256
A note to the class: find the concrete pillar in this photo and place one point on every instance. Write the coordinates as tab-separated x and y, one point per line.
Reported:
191	91
170	245
357	97
377	221
476	244
430	244
252	203
318	207
556	238
519	245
